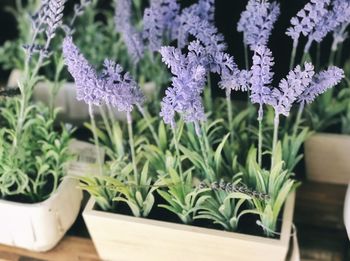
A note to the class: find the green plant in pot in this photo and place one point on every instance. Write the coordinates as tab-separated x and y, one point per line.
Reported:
192	172
34	153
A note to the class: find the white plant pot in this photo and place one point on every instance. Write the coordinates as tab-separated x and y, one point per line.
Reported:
40	226
122	237
347	211
327	158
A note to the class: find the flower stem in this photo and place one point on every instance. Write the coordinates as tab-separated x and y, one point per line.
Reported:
298	119
97	147
176	143
132	147
318	56
204	148
260	143
145	115
293	54
339	54
229	113
208	95
275	137
246	58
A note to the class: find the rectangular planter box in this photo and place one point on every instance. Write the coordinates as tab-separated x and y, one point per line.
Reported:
327	158
40	226
121	237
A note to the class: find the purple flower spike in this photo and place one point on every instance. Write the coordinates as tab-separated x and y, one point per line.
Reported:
120	90
184	96
112	86
257	22
235	81
85	76
221	63
203	30
331	21
159	20
261	77
321	82
307	18
54	17
132	38
291	88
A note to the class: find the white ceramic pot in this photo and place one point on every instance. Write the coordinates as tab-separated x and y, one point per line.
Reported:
40	226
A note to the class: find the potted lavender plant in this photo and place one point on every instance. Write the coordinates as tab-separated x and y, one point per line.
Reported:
38	203
325	152
191	191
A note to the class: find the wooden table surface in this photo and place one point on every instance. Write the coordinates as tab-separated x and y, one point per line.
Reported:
318	217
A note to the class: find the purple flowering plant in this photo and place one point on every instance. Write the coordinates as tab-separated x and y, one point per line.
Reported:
201	142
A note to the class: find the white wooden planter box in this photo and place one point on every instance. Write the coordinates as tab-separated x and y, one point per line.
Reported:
327	158
40	226
121	237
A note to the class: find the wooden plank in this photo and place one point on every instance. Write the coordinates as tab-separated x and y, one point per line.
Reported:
69	249
320	204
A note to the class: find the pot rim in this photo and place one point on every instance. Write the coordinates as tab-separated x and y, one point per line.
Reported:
283	240
66	180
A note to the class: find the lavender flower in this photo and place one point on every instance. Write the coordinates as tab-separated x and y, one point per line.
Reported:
307	18
203	30
331	21
184	96
54	16
235	81
321	82
205	9
112	86
257	21
221	63
38	19
159	19
291	88
85	76
261	77
132	38
342	9
120	90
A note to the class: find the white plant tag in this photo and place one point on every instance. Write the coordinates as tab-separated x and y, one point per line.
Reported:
86	162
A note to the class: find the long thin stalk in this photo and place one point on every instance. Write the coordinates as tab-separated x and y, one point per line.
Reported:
331	57
176	143
246	58
97	147
260	143
339	54
275	137
132	147
298	119
208	94
106	122
145	115
293	54
229	114
318	56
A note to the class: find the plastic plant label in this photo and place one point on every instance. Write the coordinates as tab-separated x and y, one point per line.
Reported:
86	162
